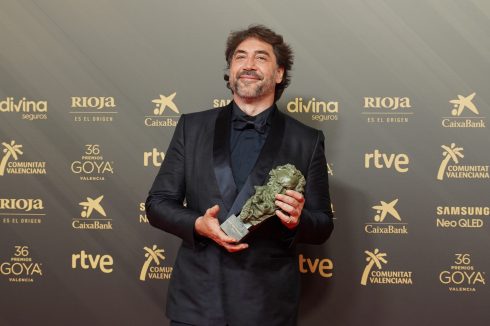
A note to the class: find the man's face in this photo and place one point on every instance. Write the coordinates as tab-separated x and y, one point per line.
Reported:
253	69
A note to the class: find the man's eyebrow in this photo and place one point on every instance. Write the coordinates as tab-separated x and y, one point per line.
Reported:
256	52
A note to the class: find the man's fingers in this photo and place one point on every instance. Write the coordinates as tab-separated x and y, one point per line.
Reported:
285	207
296	195
235	247
287	199
213	211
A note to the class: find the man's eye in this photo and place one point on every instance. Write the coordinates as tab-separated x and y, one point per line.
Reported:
262	58
239	57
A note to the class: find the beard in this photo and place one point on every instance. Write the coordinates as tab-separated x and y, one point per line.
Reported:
253	88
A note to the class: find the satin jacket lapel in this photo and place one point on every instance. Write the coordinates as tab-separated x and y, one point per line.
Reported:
265	162
221	156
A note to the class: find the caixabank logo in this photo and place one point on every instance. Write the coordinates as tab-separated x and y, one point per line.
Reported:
97	262
152	268
451	167
24	108
387	110
317	110
320	266
375	273
165	112
93	109
464	114
22	210
10	162
92	165
463	275
21	267
461	217
92	216
154	158
386	220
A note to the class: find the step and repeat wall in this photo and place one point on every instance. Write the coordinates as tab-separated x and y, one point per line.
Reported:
90	94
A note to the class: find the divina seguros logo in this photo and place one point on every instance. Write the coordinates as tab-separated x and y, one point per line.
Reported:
28	109
317	109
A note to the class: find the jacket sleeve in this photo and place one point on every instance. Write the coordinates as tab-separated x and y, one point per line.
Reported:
316	222
165	203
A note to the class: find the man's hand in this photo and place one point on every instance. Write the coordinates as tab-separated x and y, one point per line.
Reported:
291	205
208	226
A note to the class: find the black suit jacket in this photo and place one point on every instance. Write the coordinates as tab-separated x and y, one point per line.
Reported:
259	285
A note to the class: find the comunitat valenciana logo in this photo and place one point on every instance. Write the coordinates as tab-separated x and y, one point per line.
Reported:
21	267
464	114
461	217
318	110
26	109
92	165
165	112
374	273
92	216
153	157
10	163
387	220
387	110
322	267
463	275
93	108
450	167
22	210
152	268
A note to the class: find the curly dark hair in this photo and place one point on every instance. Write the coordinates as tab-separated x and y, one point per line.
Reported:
282	51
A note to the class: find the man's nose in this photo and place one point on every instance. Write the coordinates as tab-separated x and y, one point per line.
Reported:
250	64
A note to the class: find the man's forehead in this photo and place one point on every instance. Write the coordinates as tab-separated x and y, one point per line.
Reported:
253	44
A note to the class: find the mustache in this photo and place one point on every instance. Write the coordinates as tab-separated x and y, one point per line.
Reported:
252	73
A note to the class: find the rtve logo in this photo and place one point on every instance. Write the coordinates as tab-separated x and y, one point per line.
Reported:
380	160
86	261
156	157
324	266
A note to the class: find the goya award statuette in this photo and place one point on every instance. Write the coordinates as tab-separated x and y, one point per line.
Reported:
261	205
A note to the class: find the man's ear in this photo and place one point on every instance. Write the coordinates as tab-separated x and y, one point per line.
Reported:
279	75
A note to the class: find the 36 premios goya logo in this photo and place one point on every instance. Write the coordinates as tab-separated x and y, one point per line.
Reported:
152	268
387	110
95	109
463	275
24	108
461	217
375	273
450	167
22	210
165	112
317	110
92	216
464	114
387	220
11	163
92	165
21	267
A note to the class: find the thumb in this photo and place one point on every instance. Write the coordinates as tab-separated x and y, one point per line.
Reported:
213	211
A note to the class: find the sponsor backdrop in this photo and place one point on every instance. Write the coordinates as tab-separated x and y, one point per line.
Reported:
90	94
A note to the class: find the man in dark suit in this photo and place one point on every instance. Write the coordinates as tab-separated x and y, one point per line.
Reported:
214	160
